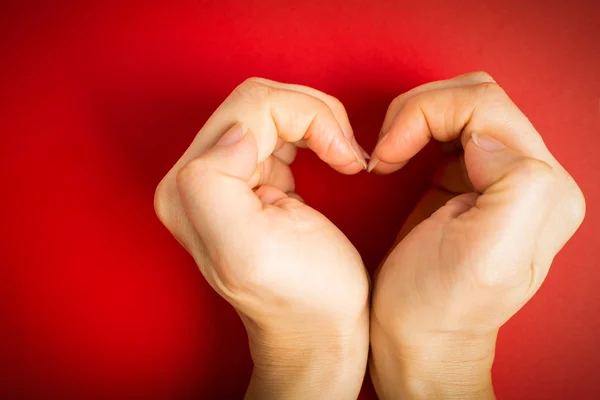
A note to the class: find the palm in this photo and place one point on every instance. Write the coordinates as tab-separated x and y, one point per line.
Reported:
420	243
435	261
451	179
323	272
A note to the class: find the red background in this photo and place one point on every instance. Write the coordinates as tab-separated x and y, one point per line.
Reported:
98	301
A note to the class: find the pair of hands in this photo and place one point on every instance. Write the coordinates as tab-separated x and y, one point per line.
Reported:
475	249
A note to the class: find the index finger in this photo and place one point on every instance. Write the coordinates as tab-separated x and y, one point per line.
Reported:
278	112
450	111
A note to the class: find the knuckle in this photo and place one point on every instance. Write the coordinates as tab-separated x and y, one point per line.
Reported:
253	89
488	89
422	104
189	174
395	103
257	80
336	105
535	175
576	206
481	76
253	80
413	102
537	170
161	202
329	146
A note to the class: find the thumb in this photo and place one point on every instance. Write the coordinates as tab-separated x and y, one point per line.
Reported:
514	187
215	193
515	192
488	160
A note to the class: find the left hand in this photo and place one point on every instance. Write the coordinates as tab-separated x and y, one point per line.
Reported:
295	279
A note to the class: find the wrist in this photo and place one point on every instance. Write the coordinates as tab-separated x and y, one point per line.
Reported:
315	362
432	365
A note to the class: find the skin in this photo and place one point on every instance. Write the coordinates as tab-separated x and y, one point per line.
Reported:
296	281
473	252
477	246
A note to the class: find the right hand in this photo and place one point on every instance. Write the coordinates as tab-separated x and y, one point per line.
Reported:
478	245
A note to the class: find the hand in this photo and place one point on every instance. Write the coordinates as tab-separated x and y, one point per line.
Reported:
298	284
477	246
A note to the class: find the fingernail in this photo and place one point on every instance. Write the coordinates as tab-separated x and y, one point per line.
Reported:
372	163
381	139
233	135
364	153
487	143
357	152
374	160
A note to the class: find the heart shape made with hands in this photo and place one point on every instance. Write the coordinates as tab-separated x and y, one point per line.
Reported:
476	248
470	109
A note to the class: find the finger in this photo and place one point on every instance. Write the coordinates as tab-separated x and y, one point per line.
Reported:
483	112
450	113
486	164
272	196
273	172
215	194
398	103
512	213
336	106
269	195
452	176
503	225
384	168
286	153
274	113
